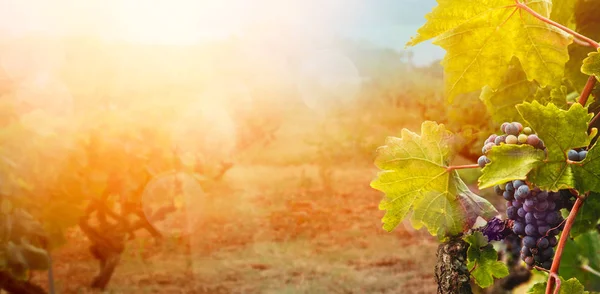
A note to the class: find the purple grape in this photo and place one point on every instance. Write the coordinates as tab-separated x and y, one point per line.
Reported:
508	196
542	206
482	161
529	202
491	138
539	214
511	212
552	241
542	196
530	230
533	140
511	129
523	190
573	155
529	218
509	187
499	140
517	204
553	218
529	260
498	190
543	229
521	212
529	241
582	154
547	264
519	228
543	243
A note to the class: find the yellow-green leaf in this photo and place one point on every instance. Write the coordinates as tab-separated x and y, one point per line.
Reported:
561	130
481	38
514	89
591	65
509	162
415	178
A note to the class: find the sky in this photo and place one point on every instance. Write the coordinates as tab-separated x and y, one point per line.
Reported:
387	23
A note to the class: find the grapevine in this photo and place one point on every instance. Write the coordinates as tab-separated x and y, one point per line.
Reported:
543	160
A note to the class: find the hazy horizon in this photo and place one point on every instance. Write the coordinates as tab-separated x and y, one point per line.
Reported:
387	24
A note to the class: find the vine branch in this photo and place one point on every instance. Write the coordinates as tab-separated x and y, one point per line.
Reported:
559	248
465	166
587	90
553	23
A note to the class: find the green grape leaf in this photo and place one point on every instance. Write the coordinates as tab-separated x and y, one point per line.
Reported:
578	252
591	65
587	23
587	172
561	130
509	162
483	260
556	96
514	89
588	215
571	286
497	31
415	178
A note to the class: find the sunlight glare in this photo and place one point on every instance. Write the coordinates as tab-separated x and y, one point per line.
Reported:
328	79
187	203
206	130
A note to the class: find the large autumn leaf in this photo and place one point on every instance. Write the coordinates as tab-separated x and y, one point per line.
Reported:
496	31
415	178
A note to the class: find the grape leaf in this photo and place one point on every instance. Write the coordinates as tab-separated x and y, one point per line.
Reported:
497	30
591	65
514	89
587	23
583	250
562	12
509	162
561	130
483	260
571	286
415	178
556	96
588	215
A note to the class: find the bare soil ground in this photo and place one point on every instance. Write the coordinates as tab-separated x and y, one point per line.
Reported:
270	230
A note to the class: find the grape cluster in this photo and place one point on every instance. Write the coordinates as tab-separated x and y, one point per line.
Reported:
535	214
537	220
513	133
